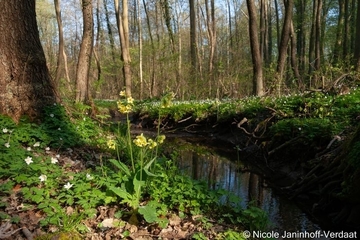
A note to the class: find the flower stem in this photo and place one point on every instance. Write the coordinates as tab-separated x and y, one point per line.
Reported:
129	142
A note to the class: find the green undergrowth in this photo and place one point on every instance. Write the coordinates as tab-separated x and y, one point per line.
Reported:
69	165
314	112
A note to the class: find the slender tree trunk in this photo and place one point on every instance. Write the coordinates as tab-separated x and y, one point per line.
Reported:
357	39
62	59
294	61
300	32
258	88
211	27
97	41
277	22
270	35
264	28
84	61
152	85
353	13
318	39
193	42
312	40
345	49
26	86
284	41
140	50
123	28
339	33
108	26
230	42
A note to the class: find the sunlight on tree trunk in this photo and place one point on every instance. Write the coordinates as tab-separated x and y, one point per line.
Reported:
140	51
84	61
62	58
258	88
123	28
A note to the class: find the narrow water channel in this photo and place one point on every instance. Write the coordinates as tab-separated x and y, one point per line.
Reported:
230	173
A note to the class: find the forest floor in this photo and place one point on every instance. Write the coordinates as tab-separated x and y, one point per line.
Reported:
293	146
106	225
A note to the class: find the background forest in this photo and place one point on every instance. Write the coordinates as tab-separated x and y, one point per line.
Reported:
200	48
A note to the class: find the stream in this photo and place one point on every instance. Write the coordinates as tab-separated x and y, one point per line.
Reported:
228	171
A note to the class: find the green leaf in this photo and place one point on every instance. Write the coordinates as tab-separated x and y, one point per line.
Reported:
121	193
121	166
147	166
139	183
149	213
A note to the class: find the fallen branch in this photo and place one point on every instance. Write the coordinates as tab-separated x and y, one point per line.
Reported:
5	231
27	233
183	120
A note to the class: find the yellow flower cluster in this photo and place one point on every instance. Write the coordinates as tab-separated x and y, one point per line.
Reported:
124	108
141	141
127	105
111	144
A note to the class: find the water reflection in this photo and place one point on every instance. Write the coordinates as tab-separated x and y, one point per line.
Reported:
203	163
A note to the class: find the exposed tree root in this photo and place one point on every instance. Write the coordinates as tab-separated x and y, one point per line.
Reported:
284	145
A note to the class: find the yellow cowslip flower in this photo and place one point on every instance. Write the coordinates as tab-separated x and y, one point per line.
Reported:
152	144
122	94
140	141
124	108
130	100
160	139
111	144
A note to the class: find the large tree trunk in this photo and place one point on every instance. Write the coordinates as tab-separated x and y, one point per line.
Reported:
25	83
84	61
258	88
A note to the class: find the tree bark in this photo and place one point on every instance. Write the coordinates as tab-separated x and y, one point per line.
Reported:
122	21
300	31
211	27
26	86
284	41
357	46
62	59
84	61
258	88
108	26
193	44
294	61
318	39
152	85
140	50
